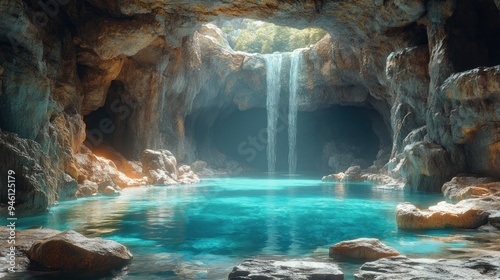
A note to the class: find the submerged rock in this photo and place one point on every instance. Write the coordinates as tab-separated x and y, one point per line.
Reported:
368	249
287	269
71	251
469	213
402	268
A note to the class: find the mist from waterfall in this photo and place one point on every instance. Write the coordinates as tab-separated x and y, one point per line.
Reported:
273	70
295	63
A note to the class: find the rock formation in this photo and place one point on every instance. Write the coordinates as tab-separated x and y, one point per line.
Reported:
285	269
469	213
365	249
140	75
461	187
406	269
161	169
71	251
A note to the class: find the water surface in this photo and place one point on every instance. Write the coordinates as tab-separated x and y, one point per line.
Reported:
201	231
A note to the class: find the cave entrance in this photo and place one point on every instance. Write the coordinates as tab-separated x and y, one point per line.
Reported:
107	127
476	29
328	140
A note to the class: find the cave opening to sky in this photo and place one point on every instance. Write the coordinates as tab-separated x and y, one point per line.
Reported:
254	36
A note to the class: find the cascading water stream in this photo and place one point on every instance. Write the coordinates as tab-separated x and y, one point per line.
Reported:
273	69
295	63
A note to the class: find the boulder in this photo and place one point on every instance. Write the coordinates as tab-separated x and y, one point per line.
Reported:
469	213
366	249
286	269
187	176
463	187
402	268
161	169
71	251
24	241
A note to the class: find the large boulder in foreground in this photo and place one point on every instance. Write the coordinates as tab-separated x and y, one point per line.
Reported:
71	251
469	213
402	268
367	249
287	269
24	241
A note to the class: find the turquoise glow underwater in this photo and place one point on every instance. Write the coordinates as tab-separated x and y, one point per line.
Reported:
201	231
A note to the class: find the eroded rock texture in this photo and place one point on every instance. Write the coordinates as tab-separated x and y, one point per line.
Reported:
367	249
142	75
468	213
404	268
285	269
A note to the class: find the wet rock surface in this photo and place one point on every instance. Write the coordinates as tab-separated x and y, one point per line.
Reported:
286	269
405	269
365	249
71	251
24	241
462	187
469	213
34	181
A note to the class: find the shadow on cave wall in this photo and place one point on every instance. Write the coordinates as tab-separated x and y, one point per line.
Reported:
108	127
343	134
475	33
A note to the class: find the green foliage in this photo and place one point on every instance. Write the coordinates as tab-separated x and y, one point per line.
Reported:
262	37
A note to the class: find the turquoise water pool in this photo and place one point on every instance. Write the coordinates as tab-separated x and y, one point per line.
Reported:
201	231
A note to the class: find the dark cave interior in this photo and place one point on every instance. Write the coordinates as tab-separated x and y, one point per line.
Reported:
242	136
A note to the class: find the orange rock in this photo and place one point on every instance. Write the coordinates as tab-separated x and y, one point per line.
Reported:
367	249
470	213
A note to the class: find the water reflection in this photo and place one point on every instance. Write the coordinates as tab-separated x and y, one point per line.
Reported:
201	231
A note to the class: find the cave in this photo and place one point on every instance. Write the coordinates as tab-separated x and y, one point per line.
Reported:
475	27
175	139
242	136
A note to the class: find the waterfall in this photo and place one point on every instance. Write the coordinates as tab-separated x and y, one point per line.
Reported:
273	71
295	62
